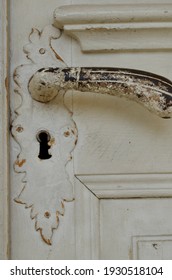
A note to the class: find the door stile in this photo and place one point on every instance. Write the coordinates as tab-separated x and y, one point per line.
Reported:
4	132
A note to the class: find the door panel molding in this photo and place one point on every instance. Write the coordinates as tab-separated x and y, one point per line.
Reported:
87	222
4	133
95	25
154	246
128	185
92	190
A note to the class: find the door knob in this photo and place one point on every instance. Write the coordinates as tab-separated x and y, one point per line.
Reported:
152	91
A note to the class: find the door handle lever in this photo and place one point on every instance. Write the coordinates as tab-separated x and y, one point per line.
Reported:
150	90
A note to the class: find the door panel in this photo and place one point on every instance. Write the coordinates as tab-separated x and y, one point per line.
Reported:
123	218
136	228
119	136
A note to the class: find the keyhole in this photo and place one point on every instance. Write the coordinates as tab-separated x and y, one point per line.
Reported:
43	138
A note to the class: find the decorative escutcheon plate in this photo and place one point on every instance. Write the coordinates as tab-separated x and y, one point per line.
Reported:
47	135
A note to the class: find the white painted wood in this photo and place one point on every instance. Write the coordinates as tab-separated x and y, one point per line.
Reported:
120	2
95	25
108	13
120	137
115	137
123	228
87	220
145	219
129	185
159	247
4	133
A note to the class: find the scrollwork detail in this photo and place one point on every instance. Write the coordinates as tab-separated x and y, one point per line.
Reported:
45	184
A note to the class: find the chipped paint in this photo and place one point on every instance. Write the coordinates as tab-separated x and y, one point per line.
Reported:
51	142
150	90
155	246
20	162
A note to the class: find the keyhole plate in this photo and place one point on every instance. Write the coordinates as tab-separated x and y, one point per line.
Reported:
45	182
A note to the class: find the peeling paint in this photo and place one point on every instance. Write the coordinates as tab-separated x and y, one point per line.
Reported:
150	90
51	142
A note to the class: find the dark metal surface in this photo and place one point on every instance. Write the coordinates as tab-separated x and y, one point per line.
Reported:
151	90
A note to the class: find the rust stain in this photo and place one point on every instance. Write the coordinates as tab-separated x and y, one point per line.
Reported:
19	129
20	163
47	215
57	213
18	201
76	141
66	133
51	142
6	83
56	55
48	241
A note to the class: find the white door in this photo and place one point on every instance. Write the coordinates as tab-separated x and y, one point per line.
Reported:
90	174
